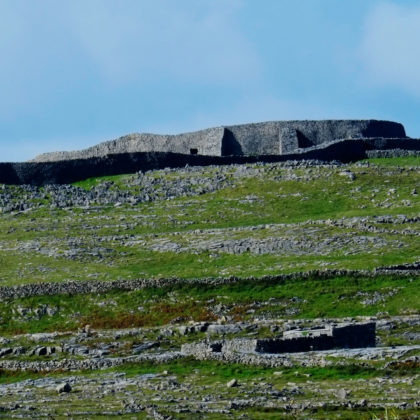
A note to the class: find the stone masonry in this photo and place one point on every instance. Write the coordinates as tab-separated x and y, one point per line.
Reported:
277	141
294	341
267	138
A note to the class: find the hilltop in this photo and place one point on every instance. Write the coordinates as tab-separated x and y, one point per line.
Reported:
275	141
265	138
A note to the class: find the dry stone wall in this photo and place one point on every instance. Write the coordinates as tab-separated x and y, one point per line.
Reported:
279	137
205	142
72	170
89	286
267	138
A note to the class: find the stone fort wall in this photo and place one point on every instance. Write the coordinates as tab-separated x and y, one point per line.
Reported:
205	142
72	170
266	138
282	137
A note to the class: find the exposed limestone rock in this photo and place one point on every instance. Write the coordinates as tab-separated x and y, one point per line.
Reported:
232	383
65	387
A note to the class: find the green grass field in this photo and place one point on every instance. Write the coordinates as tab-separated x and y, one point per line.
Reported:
339	297
359	216
35	245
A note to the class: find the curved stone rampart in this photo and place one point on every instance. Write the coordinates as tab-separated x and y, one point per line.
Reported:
266	138
280	137
205	142
72	170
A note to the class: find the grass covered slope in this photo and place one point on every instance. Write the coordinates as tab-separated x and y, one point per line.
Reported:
218	221
242	301
121	349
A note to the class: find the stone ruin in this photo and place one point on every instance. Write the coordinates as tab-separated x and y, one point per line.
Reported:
275	141
328	338
265	138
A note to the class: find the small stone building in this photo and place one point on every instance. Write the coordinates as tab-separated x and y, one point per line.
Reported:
328	338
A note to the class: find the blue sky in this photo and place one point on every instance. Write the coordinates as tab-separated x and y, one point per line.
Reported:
77	72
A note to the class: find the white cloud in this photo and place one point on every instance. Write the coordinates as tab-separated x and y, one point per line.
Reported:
391	46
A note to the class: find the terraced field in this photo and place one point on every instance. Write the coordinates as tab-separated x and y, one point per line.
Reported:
226	252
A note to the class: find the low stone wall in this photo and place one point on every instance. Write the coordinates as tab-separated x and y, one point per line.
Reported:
316	358
389	153
68	171
239	345
86	287
85	364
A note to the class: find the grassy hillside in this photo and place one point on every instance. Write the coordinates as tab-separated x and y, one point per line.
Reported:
121	350
262	219
243	301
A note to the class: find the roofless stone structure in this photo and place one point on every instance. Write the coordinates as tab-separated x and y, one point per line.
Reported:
346	335
266	138
275	141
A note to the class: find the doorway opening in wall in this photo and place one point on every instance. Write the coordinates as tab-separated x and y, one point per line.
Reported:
303	141
193	151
